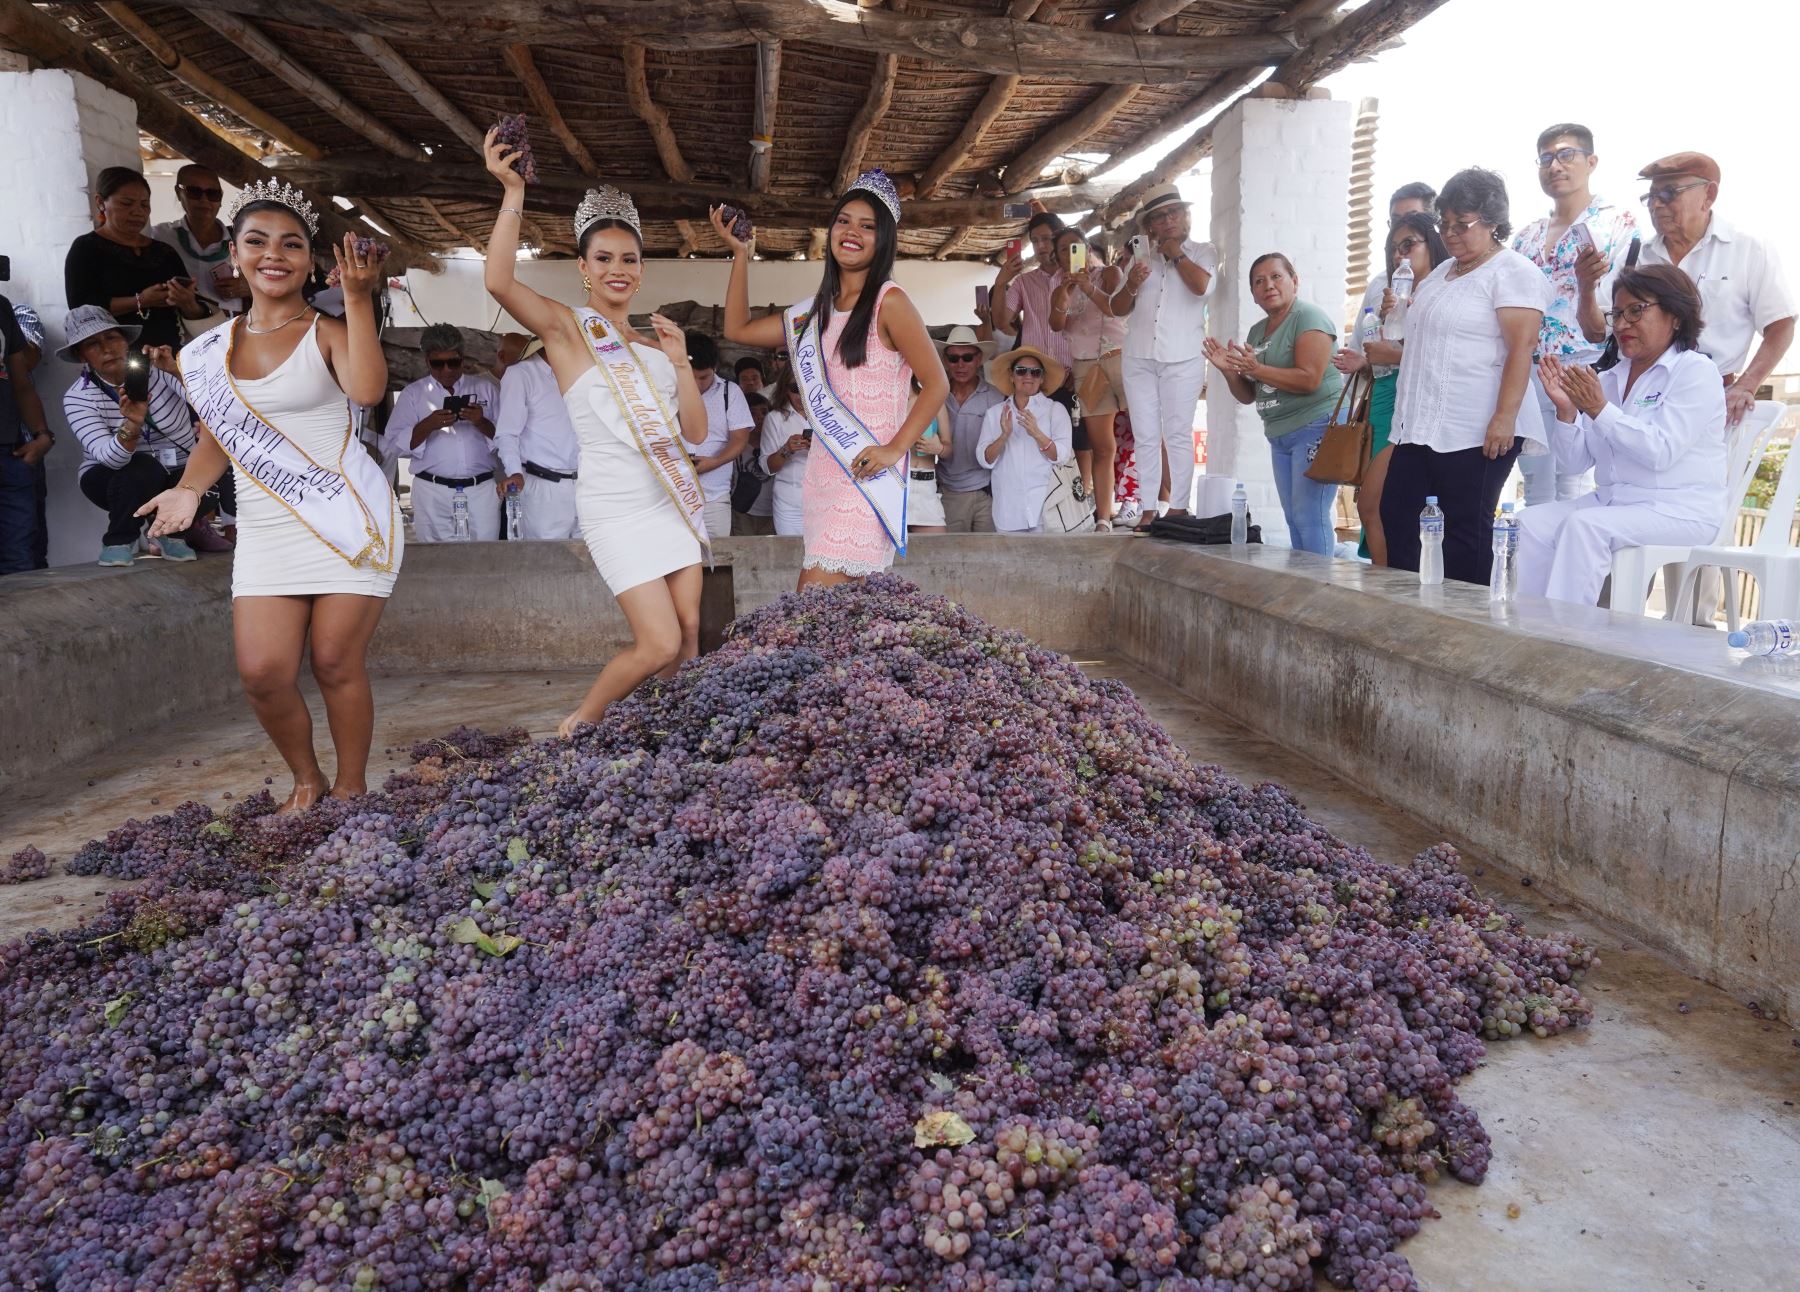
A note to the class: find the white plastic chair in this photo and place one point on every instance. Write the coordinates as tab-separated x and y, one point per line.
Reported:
1634	568
1771	560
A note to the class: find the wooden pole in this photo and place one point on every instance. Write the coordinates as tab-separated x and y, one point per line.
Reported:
662	134
407	77
768	98
524	67
1023	171
875	106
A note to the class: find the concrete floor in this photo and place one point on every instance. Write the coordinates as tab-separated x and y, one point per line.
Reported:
1656	1150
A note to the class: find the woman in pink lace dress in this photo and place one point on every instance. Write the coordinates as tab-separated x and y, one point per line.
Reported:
874	343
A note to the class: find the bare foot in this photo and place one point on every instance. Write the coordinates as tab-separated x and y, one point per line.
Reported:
348	791
566	727
300	798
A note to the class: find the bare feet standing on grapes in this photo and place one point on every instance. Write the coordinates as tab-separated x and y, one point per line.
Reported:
302	797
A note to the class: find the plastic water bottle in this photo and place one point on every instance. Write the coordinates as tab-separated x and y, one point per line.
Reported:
1394	326
1767	637
1503	579
1368	327
1431	544
459	516
515	514
1240	516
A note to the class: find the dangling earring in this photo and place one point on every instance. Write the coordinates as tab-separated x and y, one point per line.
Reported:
587	284
234	271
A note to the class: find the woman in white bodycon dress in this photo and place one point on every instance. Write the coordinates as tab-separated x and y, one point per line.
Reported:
290	585
646	547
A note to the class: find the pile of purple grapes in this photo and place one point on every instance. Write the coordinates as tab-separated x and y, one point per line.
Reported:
512	132
879	949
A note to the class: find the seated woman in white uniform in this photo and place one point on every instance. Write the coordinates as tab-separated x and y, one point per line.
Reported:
637	411
1652	429
319	537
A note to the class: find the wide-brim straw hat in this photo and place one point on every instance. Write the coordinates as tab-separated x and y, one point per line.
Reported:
1000	369
86	321
962	334
1159	199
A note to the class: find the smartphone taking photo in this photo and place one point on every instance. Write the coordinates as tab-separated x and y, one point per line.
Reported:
136	386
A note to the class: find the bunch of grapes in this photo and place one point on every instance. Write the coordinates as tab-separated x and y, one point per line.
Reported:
513	133
878	948
26	864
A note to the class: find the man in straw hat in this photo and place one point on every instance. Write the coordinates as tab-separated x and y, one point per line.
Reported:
1168	279
1025	437
539	452
964	481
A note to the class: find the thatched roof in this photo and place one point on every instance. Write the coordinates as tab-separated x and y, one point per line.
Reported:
966	104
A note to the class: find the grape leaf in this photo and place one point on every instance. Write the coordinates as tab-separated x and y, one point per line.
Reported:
484	888
934	1129
114	1010
517	851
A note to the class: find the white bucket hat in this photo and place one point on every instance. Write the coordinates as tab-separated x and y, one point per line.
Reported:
87	321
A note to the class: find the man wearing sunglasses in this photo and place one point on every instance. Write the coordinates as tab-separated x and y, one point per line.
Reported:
441	421
964	481
203	242
1742	289
1576	245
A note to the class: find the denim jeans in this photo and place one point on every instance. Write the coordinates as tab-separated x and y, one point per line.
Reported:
1306	503
19	486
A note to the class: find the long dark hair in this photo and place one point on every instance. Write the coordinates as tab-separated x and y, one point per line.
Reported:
853	342
1422	224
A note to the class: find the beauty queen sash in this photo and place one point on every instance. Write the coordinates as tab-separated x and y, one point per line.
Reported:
654	429
345	504
840	430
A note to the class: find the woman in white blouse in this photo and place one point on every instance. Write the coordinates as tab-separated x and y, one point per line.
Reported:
1651	429
1461	417
1024	438
786	435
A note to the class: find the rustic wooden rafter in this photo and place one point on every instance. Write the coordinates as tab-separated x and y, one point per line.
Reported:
662	134
408	78
768	99
882	78
524	67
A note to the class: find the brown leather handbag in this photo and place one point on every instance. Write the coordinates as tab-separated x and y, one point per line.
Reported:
1343	454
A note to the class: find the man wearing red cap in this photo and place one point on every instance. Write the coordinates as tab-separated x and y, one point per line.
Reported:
1742	290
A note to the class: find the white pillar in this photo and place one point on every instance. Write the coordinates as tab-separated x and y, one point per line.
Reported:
1280	182
66	128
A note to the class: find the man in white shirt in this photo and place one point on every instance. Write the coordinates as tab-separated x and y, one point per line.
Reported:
1167	283
728	427
441	423
1742	289
538	449
203	242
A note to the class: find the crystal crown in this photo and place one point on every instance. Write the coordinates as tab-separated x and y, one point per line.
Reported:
606	203
877	184
269	190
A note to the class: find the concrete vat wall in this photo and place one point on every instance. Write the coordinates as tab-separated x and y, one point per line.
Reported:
1631	763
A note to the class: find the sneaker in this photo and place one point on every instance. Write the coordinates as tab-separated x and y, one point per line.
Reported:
116	554
148	549
204	538
174	549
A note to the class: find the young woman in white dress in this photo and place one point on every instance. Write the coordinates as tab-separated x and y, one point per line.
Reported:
277	381
645	545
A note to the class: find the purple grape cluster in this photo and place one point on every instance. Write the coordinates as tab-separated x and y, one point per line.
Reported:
879	948
26	864
513	132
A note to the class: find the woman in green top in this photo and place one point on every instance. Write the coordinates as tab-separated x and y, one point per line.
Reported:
1413	238
1285	370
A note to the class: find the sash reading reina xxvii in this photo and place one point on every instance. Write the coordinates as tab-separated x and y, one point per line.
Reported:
840	430
346	505
654	429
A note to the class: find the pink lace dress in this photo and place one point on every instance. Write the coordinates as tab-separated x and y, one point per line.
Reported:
841	529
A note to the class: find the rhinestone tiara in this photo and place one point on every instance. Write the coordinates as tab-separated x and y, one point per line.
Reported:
268	190
606	203
877	184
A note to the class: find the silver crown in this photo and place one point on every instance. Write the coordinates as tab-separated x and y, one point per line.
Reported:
877	184
606	203
269	190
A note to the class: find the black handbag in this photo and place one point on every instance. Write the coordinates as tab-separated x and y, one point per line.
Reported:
1208	531
1609	357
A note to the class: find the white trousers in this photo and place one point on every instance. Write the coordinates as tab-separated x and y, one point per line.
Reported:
548	508
790	519
718	517
1565	548
432	503
1163	397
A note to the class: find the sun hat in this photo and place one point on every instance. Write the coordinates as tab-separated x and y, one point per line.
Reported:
1161	198
86	321
962	334
1000	369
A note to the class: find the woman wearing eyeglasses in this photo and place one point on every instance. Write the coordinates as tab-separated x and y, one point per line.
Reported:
1652	429
1024	438
1412	238
1463	412
202	241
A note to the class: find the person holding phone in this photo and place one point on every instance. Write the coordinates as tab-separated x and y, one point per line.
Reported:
136	430
786	437
202	241
1582	240
139	281
443	422
1021	296
1081	310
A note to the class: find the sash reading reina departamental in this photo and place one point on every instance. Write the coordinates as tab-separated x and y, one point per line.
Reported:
840	430
654	429
346	505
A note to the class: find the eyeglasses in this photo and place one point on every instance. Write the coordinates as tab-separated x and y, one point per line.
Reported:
444	363
1019	370
209	194
1628	313
1405	245
1669	192
1563	155
1461	227
968	356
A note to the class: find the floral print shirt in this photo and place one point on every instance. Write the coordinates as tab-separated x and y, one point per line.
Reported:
1612	228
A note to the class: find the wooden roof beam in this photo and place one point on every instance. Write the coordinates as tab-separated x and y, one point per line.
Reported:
992	106
662	134
255	42
184	70
875	105
768	99
1023	171
523	66
407	77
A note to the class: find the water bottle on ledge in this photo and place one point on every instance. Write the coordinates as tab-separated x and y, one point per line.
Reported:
515	514
1767	637
1503	579
1240	516
1431	544
459	516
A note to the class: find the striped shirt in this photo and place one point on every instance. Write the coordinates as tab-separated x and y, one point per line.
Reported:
92	408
